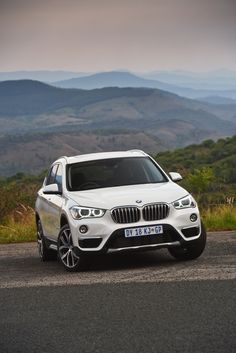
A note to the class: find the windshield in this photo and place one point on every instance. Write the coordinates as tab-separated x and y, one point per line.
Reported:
106	173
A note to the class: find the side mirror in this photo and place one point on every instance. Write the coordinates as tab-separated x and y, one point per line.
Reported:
52	189
175	176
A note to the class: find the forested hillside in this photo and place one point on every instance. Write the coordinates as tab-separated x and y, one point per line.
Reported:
219	156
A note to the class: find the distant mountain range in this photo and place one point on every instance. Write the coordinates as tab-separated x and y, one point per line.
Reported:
39	122
40	75
111	79
212	80
27	105
221	83
218	100
27	97
126	79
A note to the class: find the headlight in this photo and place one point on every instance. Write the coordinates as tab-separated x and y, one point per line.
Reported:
185	202
79	212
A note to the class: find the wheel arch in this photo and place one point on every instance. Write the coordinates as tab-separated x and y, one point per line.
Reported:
37	218
63	220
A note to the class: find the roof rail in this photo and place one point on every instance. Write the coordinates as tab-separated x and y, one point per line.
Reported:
63	157
140	151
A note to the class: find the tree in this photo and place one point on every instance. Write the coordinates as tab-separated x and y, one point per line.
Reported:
200	180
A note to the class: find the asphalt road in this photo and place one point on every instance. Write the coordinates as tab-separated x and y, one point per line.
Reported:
145	302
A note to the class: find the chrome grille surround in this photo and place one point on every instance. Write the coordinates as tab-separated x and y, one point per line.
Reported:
126	214
155	212
132	214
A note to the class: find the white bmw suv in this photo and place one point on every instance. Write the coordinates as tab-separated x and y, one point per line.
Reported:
114	201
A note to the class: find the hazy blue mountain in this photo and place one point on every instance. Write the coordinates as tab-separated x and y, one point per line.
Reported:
184	83
111	79
49	107
40	75
218	100
126	79
212	80
27	97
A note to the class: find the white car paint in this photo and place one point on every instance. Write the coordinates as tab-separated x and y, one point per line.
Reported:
51	208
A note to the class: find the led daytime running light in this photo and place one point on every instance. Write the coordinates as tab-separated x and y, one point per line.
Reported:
86	212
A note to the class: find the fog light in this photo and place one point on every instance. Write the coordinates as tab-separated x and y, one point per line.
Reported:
83	229
193	217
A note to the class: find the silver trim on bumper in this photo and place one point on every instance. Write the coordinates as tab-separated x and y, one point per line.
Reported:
149	246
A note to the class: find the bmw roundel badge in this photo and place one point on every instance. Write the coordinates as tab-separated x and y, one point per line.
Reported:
139	201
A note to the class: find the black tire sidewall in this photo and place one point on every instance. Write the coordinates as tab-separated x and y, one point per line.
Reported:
47	254
190	250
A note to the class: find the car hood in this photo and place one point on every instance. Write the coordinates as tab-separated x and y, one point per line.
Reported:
107	198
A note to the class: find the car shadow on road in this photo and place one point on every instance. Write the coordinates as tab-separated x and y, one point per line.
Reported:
130	260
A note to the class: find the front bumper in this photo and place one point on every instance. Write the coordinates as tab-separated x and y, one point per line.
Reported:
104	235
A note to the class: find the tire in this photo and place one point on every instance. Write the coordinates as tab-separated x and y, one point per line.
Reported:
191	250
71	261
45	253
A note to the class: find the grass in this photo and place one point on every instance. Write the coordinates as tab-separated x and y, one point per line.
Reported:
20	226
222	217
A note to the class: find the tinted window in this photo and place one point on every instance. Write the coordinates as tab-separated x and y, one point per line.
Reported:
51	175
113	172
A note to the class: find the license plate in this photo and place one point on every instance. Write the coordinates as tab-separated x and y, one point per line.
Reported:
143	231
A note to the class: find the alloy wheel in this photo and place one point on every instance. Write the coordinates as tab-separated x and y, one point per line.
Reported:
66	249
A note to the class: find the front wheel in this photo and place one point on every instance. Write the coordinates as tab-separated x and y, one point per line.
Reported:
191	250
66	251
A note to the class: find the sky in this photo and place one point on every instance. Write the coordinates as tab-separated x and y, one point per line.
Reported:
104	35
